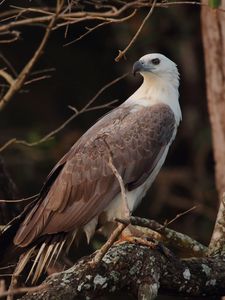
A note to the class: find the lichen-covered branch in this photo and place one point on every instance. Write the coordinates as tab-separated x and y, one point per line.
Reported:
172	238
139	270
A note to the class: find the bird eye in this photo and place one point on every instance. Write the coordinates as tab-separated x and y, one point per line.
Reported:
155	61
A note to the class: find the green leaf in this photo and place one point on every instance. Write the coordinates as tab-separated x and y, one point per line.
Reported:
214	3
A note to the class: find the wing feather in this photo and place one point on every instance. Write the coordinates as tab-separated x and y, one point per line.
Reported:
82	184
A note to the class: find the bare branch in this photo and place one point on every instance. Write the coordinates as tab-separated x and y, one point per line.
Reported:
67	17
123	52
86	108
108	244
90	30
116	233
179	216
171	237
138	270
13	36
18	82
7	77
23	290
19	200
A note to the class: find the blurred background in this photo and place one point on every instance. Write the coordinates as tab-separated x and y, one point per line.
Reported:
76	73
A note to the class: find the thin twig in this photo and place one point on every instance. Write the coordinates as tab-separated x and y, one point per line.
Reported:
116	233
119	178
8	64
18	82
85	109
7	144
80	14
37	79
15	36
23	290
20	200
171	237
90	30
166	223
123	52
7	77
108	244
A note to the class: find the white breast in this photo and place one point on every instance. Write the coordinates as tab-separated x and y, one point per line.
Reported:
151	92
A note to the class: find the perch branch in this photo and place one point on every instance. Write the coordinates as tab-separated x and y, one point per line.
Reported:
22	290
138	270
170	237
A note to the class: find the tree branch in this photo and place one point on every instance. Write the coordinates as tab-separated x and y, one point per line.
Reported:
46	13
86	108
123	52
172	238
140	271
18	82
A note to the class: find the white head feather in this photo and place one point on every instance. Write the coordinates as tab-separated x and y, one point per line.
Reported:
160	83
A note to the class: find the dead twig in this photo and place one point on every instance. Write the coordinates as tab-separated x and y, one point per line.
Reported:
108	244
123	52
7	77
86	108
20	200
46	13
116	233
90	30
23	290
171	237
18	82
166	223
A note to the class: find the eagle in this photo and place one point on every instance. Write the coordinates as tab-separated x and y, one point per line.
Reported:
82	193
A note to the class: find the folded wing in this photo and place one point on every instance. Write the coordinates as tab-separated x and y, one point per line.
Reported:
82	184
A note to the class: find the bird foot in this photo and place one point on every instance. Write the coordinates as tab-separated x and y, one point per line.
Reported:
148	242
152	244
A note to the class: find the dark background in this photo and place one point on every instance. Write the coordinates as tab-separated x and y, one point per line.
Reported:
80	70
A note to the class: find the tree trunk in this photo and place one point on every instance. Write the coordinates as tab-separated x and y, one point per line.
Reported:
213	32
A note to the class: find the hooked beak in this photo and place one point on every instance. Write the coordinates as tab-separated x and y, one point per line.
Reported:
137	67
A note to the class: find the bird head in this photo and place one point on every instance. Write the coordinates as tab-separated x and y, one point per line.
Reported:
156	65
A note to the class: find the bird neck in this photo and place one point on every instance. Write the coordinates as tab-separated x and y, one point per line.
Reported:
156	90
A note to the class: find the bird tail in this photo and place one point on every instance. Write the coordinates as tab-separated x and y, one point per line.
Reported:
8	250
44	252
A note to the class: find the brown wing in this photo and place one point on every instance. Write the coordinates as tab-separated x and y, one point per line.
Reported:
82	184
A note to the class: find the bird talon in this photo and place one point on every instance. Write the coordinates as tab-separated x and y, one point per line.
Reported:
137	240
164	250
